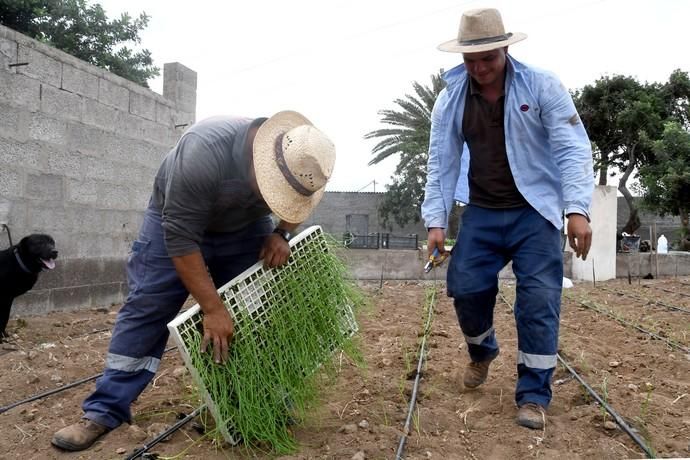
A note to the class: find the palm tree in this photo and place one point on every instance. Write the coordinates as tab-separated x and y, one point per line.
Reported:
409	137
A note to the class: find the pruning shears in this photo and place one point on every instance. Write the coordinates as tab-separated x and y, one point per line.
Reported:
435	259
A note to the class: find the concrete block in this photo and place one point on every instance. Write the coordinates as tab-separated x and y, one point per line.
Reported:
14	122
41	67
34	302
106	295
20	90
79	82
8	55
93	140
55	101
183	121
114	197
113	95
164	115
156	133
48	219
100	115
44	187
65	163
82	191
142	106
71	298
179	86
47	129
31	155
11	181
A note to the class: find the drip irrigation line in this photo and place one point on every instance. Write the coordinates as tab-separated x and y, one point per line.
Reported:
180	423
38	396
683	294
650	301
415	388
619	420
669	342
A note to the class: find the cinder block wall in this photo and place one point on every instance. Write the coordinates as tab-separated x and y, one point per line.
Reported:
79	148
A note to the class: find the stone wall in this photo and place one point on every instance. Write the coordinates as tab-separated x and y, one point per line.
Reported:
79	147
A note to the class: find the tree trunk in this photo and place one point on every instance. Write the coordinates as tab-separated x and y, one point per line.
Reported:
685	230
633	222
603	174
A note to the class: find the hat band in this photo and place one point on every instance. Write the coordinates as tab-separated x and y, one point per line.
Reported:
287	174
483	41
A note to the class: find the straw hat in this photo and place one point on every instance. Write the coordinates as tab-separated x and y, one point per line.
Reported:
292	161
481	30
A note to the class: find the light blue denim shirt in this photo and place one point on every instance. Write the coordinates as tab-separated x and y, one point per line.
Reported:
548	149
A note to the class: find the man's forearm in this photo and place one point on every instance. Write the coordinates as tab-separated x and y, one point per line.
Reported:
192	271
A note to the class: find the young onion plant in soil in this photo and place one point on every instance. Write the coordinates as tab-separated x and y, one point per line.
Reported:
270	380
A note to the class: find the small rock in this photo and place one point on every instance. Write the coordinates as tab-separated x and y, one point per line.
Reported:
31	355
348	429
33	380
671	356
55	378
632	387
363	424
179	372
359	456
609	425
157	428
9	347
121	451
386	362
428	454
137	433
614	364
29	417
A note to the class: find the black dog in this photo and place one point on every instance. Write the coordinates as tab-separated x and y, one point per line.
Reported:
19	269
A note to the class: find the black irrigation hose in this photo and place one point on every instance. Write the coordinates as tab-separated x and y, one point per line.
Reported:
38	396
143	449
683	294
669	342
413	397
649	301
619	420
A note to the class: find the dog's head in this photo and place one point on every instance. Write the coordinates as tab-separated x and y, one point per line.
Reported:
37	252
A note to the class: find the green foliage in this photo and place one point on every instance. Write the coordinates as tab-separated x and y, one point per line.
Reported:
408	136
85	32
623	118
667	181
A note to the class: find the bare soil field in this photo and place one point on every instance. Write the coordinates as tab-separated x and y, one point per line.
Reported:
362	413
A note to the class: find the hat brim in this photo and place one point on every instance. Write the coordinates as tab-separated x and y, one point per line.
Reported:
285	202
453	46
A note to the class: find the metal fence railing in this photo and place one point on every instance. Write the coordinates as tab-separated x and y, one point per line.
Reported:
380	241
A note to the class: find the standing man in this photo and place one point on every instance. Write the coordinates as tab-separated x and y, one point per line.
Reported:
507	141
207	221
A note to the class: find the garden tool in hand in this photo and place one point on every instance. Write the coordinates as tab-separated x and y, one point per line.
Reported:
435	259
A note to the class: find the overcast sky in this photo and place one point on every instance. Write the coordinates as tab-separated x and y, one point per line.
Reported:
341	61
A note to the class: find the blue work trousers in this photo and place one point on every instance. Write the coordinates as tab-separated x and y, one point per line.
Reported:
486	242
156	295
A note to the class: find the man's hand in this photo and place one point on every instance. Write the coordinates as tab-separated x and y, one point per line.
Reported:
275	251
436	240
218	332
579	235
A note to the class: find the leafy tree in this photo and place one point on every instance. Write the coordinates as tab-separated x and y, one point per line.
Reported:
85	32
623	119
408	136
667	180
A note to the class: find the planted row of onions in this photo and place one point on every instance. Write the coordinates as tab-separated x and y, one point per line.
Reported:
270	382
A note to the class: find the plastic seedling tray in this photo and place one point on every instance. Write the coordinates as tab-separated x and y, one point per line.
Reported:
253	298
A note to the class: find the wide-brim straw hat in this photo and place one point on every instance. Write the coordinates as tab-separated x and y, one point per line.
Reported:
481	30
293	160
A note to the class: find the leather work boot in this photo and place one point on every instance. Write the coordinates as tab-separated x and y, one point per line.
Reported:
476	373
531	415
79	436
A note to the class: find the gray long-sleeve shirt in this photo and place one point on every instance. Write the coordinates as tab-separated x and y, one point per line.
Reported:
203	185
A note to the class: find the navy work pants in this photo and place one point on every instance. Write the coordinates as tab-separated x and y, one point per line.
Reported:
487	241
156	295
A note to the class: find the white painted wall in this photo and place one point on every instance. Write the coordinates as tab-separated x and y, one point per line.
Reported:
602	254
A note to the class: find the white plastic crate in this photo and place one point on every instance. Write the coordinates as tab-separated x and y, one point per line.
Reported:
256	291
